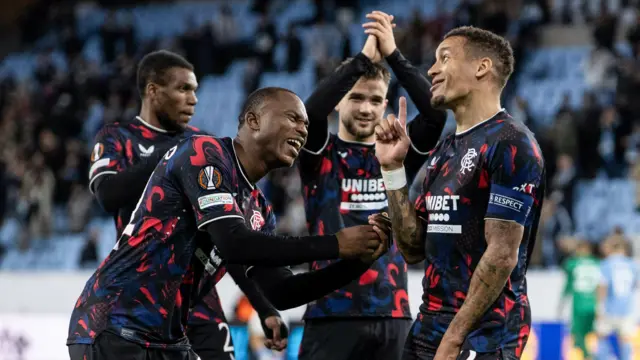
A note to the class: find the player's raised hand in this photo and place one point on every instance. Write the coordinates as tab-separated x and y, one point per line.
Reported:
392	141
381	27
370	49
358	242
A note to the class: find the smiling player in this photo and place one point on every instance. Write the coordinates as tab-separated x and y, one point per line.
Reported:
475	220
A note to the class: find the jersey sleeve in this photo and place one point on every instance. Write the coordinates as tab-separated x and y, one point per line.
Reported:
605	277
206	175
108	155
516	175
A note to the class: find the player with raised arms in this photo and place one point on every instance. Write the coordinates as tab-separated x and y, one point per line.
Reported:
201	203
475	220
370	317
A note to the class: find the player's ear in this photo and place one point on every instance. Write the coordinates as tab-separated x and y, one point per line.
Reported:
252	120
151	89
484	66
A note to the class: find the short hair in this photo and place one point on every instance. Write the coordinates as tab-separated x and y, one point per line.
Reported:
153	68
376	71
481	43
257	98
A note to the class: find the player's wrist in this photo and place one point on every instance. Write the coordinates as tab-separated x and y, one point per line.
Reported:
394	177
390	51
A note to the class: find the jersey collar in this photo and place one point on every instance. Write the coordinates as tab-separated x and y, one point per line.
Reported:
357	143
503	110
240	169
150	126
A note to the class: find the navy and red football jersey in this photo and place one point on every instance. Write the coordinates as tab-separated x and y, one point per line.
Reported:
495	170
342	186
121	145
144	290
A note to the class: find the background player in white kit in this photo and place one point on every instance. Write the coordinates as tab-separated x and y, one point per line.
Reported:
616	299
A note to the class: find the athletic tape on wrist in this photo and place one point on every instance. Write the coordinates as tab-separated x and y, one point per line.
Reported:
394	179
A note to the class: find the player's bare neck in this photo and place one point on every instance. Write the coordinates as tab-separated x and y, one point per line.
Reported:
475	109
150	117
253	167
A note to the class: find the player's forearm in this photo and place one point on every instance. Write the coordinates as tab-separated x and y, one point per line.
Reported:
407	229
116	191
487	282
240	245
257	299
327	95
286	290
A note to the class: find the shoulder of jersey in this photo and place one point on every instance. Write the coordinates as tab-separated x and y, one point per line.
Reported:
114	129
331	141
196	131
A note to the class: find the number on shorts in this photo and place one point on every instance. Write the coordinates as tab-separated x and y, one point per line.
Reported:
227	343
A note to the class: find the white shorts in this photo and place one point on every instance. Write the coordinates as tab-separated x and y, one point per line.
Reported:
623	326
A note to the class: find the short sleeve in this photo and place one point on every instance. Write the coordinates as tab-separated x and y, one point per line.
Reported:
108	154
516	174
204	171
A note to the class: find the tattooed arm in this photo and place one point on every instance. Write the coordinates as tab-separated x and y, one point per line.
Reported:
407	227
490	276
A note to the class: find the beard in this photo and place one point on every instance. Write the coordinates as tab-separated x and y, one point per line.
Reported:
438	102
357	131
168	124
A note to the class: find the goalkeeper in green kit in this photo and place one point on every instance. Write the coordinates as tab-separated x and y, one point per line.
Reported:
583	276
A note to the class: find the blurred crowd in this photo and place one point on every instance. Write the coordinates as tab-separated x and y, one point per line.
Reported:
47	124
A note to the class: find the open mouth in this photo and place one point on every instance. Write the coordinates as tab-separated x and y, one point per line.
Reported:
296	144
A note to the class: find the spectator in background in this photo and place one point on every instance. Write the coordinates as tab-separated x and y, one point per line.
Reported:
265	42
294	50
4	185
555	223
564	130
563	182
36	198
225	27
89	254
610	144
600	70
79	207
588	135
